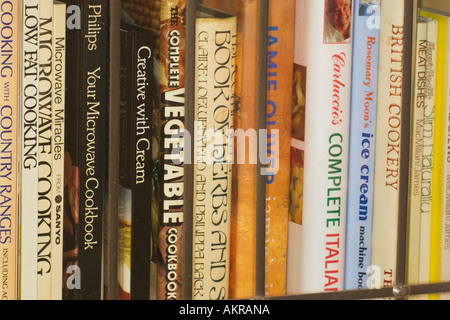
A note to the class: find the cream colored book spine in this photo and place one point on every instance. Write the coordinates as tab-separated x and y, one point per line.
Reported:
59	65
45	146
387	147
28	191
215	69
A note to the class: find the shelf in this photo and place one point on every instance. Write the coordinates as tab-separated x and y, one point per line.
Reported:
401	291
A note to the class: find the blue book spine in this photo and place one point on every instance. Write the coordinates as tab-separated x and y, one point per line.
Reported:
366	32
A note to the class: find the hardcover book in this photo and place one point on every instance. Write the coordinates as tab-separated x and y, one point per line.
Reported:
9	118
85	157
243	217
169	120
214	101
243	193
135	167
45	152
279	121
93	119
366	41
319	146
28	190
392	114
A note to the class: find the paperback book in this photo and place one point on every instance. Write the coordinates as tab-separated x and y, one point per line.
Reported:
415	190
58	120
433	131
439	245
71	273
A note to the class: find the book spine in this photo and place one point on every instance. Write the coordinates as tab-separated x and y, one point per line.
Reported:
445	227
59	65
433	152
169	120
142	108
318	233
71	269
124	243
214	95
9	150
366	41
242	224
439	241
45	149
93	122
436	159
279	121
29	156
93	137
417	142
125	199
387	147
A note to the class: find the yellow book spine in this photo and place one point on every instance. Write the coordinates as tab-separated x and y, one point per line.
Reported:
439	152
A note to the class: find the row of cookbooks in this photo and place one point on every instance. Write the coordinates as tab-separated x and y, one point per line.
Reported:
334	147
54	99
340	92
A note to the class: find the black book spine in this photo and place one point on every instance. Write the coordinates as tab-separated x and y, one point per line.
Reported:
71	271
141	113
136	109
93	122
125	172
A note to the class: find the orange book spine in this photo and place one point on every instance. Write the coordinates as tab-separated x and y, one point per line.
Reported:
243	209
8	139
243	217
279	111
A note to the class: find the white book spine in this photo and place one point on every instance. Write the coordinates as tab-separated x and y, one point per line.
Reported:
45	147
327	112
